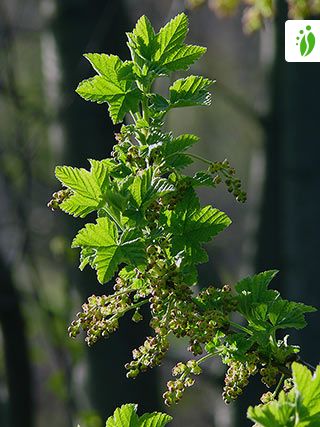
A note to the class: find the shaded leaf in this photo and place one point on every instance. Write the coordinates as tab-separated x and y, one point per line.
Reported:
192	225
202	179
178	145
192	90
288	314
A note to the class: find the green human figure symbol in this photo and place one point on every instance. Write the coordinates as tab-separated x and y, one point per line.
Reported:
306	40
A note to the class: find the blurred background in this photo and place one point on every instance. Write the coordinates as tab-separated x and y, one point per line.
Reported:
264	119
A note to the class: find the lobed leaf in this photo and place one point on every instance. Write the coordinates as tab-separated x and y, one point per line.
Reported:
265	309
192	225
142	39
276	413
253	292
108	249
109	86
298	408
192	90
172	149
87	186
308	387
171	37
126	416
147	187
288	314
182	58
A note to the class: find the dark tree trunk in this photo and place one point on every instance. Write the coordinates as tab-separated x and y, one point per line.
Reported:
270	239
17	362
300	195
98	26
293	177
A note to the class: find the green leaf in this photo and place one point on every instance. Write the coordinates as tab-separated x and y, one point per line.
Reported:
288	314
126	416
171	54
171	37
192	90
192	225
179	162
235	347
87	186
181	143
265	309
122	95
86	257
110	249
142	39
276	413
147	187
155	419
182	58
308	386
126	72
122	105
202	179
159	103
254	296
298	408
178	145
106	65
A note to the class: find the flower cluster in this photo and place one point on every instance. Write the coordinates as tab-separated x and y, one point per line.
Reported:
58	197
224	172
177	387
237	377
269	375
175	310
267	397
148	355
100	315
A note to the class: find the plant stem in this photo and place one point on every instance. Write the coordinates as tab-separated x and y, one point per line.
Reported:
201	360
207	356
112	217
195	156
131	307
240	327
117	294
167	313
145	110
278	386
145	107
202	159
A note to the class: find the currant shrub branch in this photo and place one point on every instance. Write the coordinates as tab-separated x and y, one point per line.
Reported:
150	229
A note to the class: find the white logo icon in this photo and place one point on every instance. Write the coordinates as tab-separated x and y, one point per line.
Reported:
302	41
